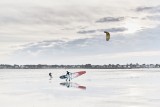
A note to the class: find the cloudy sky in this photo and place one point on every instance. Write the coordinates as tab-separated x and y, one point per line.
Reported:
72	31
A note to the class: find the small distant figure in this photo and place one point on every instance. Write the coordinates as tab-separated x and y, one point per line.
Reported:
68	76
50	74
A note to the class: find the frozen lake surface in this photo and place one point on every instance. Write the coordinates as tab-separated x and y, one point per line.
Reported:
97	88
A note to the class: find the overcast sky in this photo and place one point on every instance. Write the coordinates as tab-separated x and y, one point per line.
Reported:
72	31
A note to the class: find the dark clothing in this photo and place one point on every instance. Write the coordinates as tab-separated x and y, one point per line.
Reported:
68	73
68	76
50	74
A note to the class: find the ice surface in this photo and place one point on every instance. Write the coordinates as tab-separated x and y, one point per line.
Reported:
103	88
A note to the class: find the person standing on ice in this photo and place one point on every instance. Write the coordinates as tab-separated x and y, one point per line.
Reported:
50	74
68	76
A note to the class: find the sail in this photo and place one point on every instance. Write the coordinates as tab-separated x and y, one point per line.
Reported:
107	36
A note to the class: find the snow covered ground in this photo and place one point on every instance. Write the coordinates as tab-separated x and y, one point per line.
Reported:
98	88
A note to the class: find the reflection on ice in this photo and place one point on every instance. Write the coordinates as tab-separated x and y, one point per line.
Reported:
73	85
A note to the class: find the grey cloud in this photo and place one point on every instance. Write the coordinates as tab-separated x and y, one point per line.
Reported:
57	43
73	47
139	9
119	29
154	18
86	31
134	17
42	44
32	15
155	9
43	15
110	19
114	30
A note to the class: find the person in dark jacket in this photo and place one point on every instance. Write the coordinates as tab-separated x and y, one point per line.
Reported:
68	76
50	75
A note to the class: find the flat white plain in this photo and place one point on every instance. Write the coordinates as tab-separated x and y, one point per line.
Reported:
104	88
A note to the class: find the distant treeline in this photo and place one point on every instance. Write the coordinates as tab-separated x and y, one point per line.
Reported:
86	66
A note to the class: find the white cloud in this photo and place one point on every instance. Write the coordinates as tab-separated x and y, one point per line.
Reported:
49	28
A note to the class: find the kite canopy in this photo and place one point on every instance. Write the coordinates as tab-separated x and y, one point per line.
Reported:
107	35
